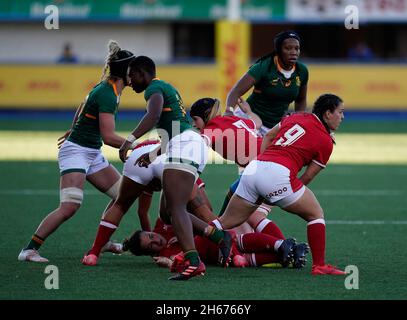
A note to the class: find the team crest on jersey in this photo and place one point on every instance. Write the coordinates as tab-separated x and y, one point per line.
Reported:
274	82
297	81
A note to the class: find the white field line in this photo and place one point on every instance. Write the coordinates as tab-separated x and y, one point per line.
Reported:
358	193
364	222
346	192
41	192
52	192
325	192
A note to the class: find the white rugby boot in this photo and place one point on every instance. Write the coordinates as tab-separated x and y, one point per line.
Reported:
31	255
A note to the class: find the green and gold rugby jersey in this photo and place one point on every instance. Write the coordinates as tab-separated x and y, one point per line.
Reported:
273	93
102	98
173	108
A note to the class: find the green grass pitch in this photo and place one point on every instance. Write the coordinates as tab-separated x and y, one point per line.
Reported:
365	208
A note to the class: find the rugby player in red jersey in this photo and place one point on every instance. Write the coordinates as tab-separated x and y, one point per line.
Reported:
135	182
299	140
249	249
236	139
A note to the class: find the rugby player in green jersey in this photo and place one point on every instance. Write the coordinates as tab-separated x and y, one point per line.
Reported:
186	156
80	157
277	79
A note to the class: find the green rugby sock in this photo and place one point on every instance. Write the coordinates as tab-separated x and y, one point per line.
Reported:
192	256
216	235
35	243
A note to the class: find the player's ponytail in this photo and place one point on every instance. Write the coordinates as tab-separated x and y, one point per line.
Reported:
113	48
117	61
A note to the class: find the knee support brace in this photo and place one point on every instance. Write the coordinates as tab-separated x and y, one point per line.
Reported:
72	194
113	191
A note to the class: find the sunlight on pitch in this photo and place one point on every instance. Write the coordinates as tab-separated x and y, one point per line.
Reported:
349	148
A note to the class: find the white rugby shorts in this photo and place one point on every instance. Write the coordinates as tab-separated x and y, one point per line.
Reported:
143	175
187	152
270	181
74	158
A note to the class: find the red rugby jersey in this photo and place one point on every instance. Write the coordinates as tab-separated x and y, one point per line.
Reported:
234	138
207	250
302	138
172	248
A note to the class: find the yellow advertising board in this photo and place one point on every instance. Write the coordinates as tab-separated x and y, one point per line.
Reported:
232	54
362	86
64	87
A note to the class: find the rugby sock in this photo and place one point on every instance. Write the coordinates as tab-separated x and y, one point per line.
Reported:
35	243
192	256
105	231
213	234
316	240
269	227
257	242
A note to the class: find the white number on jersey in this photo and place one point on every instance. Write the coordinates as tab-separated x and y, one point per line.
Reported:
241	125
290	136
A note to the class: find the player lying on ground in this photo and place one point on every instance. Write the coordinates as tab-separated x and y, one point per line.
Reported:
249	249
136	179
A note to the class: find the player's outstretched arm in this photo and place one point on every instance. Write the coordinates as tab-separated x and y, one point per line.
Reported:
107	130
150	119
238	90
245	107
144	204
309	174
163	262
301	101
62	138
